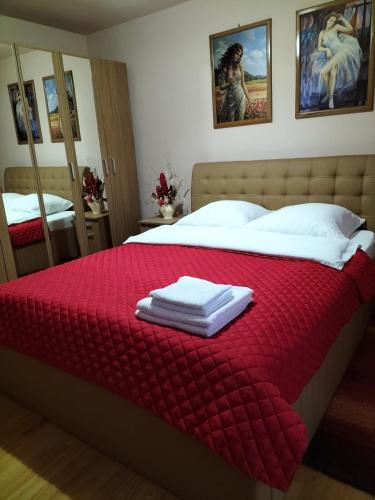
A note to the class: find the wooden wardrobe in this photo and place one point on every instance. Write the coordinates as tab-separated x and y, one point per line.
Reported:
117	147
104	144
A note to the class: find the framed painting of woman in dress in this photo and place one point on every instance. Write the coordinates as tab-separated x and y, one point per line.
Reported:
241	75
335	59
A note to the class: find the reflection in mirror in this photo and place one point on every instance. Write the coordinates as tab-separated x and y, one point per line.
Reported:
3	273
80	92
16	170
56	184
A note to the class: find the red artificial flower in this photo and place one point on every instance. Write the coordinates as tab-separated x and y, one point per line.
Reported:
93	188
164	194
163	184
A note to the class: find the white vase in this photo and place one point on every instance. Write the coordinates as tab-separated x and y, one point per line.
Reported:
167	211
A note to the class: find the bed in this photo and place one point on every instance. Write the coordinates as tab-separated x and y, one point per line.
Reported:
33	256
126	431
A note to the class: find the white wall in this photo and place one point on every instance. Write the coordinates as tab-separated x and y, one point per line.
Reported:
168	61
35	65
39	36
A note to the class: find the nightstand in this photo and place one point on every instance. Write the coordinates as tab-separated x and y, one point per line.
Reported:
98	231
151	222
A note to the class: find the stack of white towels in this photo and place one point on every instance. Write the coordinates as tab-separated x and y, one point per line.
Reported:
194	305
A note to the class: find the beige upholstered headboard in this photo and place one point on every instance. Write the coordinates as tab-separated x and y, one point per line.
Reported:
55	180
344	180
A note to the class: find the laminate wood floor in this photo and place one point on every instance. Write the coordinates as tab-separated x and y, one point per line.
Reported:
40	461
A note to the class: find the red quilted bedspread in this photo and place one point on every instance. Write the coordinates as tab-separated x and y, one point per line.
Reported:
233	391
25	233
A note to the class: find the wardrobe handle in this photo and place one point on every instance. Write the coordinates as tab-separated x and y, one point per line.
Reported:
72	171
105	167
113	166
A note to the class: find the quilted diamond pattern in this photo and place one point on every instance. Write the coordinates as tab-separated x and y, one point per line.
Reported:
233	391
26	232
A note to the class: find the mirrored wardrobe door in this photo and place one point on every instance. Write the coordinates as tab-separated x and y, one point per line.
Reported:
3	273
70	108
28	71
7	262
23	230
50	155
8	142
90	151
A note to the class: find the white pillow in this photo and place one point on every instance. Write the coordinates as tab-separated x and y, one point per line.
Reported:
310	219
8	199
232	213
30	203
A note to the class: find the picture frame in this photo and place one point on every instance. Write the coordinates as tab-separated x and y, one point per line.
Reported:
54	121
241	72
335	59
18	114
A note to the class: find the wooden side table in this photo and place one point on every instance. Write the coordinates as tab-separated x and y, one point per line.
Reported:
151	222
98	231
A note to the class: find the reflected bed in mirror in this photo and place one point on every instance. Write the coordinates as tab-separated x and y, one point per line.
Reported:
25	226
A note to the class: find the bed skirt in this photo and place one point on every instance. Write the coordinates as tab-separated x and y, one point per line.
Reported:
143	441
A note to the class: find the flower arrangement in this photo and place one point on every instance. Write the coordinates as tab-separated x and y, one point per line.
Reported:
93	188
167	193
92	192
164	194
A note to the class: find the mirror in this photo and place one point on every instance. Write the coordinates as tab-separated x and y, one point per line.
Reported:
16	168
3	273
50	151
80	91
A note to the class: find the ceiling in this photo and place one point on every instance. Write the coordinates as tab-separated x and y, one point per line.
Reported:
82	16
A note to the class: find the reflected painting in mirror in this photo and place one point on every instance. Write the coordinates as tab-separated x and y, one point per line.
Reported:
18	115
54	121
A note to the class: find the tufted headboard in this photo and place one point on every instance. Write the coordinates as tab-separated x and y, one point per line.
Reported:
344	180
55	180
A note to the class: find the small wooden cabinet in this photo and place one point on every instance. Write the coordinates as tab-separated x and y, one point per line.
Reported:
98	231
151	222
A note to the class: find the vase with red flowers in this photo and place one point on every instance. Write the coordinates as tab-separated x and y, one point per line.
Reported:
165	196
92	192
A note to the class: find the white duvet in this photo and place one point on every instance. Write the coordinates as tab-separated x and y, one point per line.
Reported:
333	252
60	220
15	217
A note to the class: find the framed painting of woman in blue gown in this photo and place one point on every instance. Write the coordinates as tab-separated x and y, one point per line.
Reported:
241	75
335	59
31	112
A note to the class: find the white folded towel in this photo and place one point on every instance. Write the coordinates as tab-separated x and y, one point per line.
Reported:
206	327
206	311
197	294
